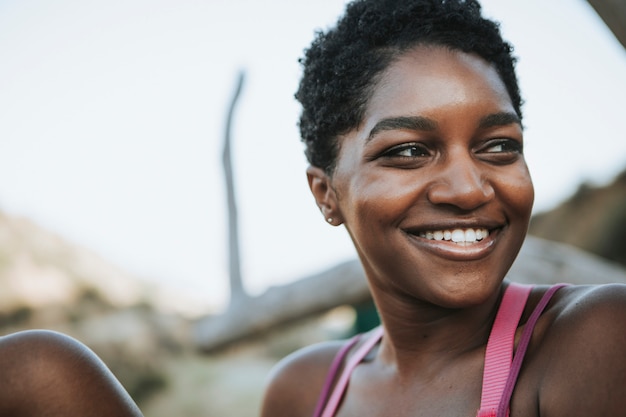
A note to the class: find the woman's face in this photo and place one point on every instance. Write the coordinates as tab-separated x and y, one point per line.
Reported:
433	186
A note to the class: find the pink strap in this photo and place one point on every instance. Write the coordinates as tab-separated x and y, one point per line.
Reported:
501	368
332	373
522	346
499	353
354	360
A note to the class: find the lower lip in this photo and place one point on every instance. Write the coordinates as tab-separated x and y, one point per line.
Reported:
458	251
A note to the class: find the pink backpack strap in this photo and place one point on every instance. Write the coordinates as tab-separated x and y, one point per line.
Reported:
499	353
342	383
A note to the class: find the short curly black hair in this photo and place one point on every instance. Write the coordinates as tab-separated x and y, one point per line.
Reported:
343	65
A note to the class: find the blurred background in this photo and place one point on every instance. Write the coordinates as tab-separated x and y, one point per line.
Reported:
113	217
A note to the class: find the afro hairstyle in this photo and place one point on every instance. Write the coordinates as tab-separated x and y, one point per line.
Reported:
343	64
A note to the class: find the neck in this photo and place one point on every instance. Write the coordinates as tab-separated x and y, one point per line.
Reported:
419	334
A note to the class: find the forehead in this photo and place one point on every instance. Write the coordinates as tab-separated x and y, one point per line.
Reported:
428	77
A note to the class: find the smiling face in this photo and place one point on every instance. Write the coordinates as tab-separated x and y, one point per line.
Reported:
433	187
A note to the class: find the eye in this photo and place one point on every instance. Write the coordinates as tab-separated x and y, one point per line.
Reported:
503	146
407	150
501	151
406	155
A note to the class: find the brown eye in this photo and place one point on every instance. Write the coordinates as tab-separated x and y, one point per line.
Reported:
501	151
408	150
503	146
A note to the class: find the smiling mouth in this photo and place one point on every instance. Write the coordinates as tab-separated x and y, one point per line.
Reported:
460	236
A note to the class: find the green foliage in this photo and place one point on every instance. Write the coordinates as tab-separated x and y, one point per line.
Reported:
143	384
366	317
16	317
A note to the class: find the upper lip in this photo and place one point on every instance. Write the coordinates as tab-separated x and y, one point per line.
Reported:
451	224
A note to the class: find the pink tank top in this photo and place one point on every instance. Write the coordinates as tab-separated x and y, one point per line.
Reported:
501	367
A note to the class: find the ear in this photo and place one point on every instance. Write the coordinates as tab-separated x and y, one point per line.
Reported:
324	194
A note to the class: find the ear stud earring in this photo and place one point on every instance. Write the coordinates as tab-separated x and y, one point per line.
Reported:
329	219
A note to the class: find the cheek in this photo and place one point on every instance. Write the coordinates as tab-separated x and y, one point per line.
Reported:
520	193
382	199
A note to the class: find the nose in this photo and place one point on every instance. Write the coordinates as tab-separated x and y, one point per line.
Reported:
461	183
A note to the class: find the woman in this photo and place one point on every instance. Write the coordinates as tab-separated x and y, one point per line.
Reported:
413	129
48	374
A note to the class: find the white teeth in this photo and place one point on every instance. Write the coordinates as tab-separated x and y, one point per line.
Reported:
457	235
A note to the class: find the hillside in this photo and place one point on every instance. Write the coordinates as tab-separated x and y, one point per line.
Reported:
593	219
48	282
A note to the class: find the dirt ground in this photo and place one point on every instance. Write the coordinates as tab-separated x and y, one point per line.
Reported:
232	383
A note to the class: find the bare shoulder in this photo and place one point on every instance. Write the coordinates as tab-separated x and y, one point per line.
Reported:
47	352
44	349
296	381
40	339
586	341
49	373
592	310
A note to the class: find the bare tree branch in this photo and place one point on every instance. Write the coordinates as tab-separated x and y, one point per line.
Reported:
237	290
341	285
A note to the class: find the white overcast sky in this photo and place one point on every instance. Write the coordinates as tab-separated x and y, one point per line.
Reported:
112	116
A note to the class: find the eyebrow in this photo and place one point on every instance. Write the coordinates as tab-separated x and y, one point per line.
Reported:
403	122
421	123
499	119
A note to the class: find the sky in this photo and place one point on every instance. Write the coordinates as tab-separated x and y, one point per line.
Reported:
112	116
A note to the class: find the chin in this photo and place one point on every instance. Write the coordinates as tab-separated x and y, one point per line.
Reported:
467	292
